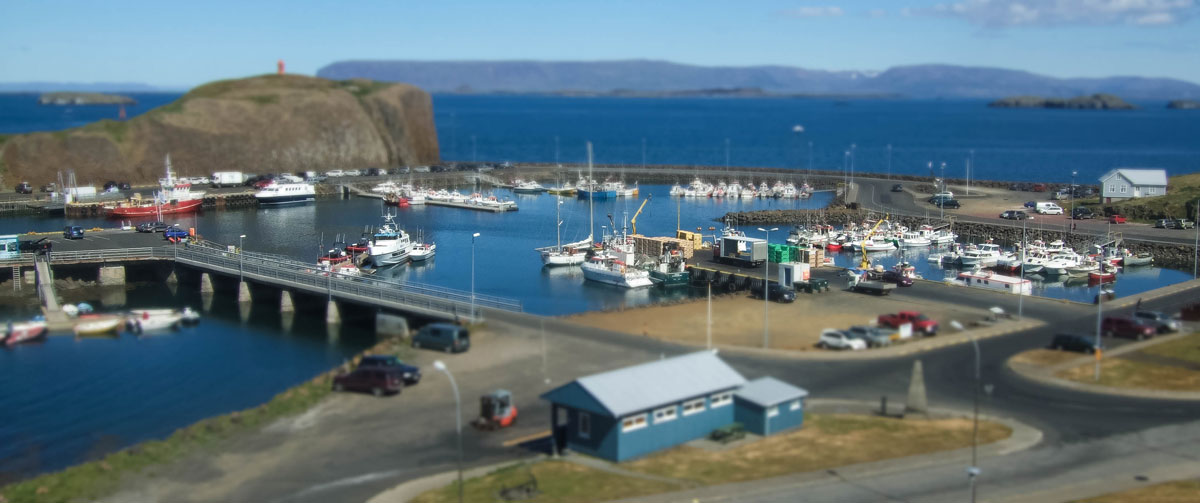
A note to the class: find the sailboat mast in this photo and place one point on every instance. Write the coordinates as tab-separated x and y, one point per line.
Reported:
591	192
558	223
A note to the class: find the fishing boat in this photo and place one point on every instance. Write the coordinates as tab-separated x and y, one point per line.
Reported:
560	254
1104	275
421	251
286	193
912	239
671	269
983	255
24	331
566	189
989	280
151	320
97	324
1083	268
334	256
389	245
175	197
607	267
594	190
189	316
1129	259
397	200
529	187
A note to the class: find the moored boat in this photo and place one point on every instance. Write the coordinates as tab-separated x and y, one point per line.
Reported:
151	320
97	324
992	281
286	193
24	331
389	245
175	197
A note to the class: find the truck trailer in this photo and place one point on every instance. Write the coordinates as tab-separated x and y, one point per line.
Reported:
739	250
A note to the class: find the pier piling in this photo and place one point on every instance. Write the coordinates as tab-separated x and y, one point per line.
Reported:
206	284
285	302
332	315
112	275
243	292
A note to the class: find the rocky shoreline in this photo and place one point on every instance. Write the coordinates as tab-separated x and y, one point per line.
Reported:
1093	102
74	98
1165	255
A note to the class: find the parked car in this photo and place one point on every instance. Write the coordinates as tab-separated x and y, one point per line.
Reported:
353	172
263	183
124	186
1116	219
776	292
1180	223
947	203
444	336
73	232
410	373
1073	342
874	337
376	171
1162	322
152	227
49	187
1082	212
175	232
1031	204
110	186
837	339
897	278
1123	326
899	187
1164	223
24	188
379	381
1048	208
334	173
1015	215
39	245
1038	187
920	322
1014	186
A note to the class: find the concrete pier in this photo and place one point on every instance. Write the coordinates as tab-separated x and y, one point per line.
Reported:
285	302
206	284
29	277
172	279
332	314
390	325
243	292
112	275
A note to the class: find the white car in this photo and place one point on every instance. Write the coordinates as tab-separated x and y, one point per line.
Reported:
354	172
836	339
335	173
289	178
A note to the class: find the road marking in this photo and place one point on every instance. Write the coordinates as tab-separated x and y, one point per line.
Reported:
526	438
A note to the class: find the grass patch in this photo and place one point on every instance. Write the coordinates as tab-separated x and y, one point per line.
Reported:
1184	491
826	441
264	99
1045	357
362	87
1184	348
558	481
99	478
1121	373
113	129
173	107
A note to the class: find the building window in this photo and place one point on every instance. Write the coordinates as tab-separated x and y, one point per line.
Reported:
665	414
722	399
773	411
1152	190
1124	188
693	406
795	405
585	425
633	423
1112	187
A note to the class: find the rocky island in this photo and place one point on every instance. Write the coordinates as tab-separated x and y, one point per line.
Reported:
72	98
1184	105
1093	102
263	124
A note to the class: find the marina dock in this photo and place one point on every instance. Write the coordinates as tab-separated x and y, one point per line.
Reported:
469	206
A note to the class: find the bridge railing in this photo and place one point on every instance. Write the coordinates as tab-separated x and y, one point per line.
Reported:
106	255
303	274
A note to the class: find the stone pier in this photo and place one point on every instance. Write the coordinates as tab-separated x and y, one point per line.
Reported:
332	314
243	292
112	275
285	302
206	283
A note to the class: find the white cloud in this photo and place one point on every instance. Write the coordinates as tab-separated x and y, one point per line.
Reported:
1010	13
876	13
805	12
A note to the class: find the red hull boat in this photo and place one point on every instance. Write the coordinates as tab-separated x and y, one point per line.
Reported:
24	332
131	210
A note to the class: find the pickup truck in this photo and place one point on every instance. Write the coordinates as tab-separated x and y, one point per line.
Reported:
857	284
920	322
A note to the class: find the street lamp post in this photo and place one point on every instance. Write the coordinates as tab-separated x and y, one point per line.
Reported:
473	236
1099	323
942	203
240	273
457	422
1071	213
766	294
973	470
1021	293
708	332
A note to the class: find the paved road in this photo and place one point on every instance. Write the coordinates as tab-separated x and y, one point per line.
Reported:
875	193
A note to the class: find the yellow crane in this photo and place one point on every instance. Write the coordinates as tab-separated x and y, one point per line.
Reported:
633	221
867	263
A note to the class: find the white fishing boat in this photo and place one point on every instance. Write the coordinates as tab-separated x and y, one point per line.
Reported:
912	239
389	245
989	280
529	187
97	324
1129	259
983	255
560	254
151	320
606	267
1082	268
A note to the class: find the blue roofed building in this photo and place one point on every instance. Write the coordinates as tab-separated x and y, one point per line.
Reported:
627	413
767	406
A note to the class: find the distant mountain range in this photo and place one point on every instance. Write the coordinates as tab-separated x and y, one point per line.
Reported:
89	87
643	76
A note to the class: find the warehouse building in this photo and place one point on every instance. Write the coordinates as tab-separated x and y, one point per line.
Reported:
628	413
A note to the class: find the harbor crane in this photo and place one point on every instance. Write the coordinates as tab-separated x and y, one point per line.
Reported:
866	264
639	212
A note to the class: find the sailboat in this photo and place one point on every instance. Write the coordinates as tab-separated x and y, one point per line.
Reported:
614	265
559	254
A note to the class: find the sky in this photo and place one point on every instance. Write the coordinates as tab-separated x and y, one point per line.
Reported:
182	44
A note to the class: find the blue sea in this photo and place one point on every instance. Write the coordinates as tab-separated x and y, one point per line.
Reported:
1006	144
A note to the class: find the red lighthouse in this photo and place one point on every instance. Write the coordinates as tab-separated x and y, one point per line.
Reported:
280	66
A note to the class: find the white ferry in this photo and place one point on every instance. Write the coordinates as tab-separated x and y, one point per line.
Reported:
286	193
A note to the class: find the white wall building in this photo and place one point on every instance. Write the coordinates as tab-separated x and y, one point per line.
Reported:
1126	183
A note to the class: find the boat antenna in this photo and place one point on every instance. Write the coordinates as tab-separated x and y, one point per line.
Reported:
591	204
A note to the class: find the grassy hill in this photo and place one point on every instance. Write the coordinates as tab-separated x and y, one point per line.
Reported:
267	123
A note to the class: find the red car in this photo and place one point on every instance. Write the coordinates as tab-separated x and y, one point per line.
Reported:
1124	326
379	381
920	322
1116	219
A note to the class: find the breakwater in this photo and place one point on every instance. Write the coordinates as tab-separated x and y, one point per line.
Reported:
1175	256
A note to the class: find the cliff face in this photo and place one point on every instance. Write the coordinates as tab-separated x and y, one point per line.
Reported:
270	123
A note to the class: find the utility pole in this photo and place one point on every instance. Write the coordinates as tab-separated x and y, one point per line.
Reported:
767	294
973	470
709	331
1021	293
1099	323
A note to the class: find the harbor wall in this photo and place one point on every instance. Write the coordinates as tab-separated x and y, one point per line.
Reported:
1174	256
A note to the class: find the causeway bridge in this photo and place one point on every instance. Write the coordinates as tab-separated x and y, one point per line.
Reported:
275	276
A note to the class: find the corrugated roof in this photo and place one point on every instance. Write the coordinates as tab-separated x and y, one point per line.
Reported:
768	391
661	382
1141	176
